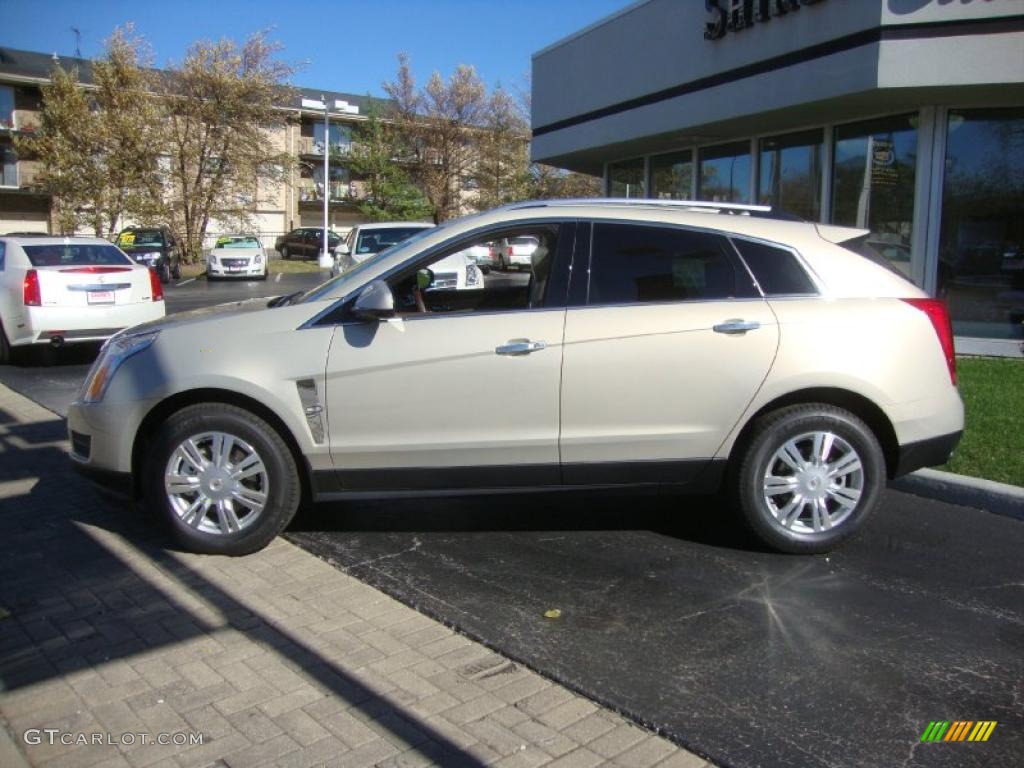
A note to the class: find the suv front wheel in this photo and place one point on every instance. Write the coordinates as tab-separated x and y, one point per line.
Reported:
809	478
222	478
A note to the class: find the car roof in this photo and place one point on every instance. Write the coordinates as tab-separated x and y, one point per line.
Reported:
52	240
394	225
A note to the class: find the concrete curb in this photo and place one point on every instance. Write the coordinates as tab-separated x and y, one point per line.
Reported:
10	755
998	498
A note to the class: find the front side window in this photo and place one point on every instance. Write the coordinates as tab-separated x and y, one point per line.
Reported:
453	281
75	255
633	263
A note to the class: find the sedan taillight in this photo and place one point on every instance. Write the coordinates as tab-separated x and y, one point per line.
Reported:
30	289
156	290
939	316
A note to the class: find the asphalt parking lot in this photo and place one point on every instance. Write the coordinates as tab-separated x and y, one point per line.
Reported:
746	657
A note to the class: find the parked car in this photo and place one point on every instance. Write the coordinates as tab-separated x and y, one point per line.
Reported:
367	240
62	290
651	344
305	243
515	252
237	256
485	256
154	247
456	272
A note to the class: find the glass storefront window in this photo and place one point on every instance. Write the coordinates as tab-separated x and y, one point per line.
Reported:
790	173
672	176
626	179
981	241
8	167
725	173
874	166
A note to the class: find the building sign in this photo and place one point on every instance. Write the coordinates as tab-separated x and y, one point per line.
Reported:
734	15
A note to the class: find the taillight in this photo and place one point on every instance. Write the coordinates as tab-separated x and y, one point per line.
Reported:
939	315
509	251
30	289
156	290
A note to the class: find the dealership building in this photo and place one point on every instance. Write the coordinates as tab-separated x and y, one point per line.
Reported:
903	117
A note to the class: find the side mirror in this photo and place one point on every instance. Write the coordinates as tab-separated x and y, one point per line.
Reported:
375	302
341	249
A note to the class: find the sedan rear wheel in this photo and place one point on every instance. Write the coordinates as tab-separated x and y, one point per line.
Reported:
224	479
809	478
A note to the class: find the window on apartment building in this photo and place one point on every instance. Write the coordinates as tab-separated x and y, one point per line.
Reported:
790	173
725	173
672	176
874	166
340	136
981	241
626	179
6	106
8	166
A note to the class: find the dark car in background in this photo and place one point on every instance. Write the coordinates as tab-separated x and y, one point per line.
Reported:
305	242
154	247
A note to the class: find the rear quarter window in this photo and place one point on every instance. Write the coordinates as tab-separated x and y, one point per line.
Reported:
777	270
75	255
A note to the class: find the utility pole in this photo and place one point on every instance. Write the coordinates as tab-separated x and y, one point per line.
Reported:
327	179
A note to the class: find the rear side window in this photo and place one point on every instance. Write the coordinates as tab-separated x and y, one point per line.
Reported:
776	270
75	255
633	263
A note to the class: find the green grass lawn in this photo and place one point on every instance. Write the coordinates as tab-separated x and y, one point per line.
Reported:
993	442
281	265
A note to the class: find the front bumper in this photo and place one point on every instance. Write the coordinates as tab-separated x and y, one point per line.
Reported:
926	453
251	271
119	483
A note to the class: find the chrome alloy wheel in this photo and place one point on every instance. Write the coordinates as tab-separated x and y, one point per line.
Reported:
216	483
813	482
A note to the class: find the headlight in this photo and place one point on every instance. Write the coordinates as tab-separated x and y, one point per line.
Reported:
258	259
213	259
117	349
472	274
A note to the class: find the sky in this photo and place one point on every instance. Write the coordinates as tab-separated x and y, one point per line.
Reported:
340	45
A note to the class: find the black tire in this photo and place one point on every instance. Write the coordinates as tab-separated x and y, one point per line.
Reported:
806	536
164	272
284	254
264	276
283	488
5	347
176	272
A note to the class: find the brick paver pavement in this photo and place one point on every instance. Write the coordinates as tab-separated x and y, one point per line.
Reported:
276	659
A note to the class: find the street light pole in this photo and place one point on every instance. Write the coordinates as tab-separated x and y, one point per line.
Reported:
327	177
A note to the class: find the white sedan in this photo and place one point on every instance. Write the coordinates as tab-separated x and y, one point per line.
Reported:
237	256
57	290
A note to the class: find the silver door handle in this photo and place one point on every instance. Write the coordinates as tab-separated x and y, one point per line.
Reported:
736	326
520	347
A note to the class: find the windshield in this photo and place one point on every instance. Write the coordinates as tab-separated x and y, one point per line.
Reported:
336	286
74	255
133	237
237	242
374	240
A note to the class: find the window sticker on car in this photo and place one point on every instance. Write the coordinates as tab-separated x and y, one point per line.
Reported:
126	238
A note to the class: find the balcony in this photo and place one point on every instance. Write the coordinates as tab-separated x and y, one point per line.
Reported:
311	147
340	192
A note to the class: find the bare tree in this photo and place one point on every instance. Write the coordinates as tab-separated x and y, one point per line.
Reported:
440	127
225	131
502	169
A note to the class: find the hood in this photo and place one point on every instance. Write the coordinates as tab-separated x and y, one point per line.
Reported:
218	312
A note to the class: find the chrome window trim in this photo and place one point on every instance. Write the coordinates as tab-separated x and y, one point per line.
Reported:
431	252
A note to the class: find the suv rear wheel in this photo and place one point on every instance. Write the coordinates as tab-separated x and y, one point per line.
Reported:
222	478
809	478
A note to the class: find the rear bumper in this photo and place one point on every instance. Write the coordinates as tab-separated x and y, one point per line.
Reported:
94	323
926	453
